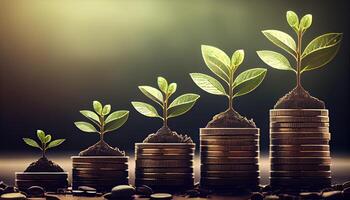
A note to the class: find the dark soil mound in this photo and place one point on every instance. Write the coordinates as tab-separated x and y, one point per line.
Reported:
230	119
165	135
299	98
43	165
101	148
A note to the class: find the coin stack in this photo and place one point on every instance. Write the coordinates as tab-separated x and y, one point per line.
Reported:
50	181
229	158
299	148
99	172
164	166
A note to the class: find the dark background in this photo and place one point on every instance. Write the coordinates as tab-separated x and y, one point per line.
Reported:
56	57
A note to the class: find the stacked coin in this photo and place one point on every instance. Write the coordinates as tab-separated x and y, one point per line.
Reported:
164	166
99	172
299	148
50	181
229	158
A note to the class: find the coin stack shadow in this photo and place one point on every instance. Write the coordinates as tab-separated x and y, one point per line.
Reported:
99	172
299	149
164	166
229	158
50	181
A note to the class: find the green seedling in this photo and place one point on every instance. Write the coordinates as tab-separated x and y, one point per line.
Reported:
316	54
177	107
104	121
45	142
221	65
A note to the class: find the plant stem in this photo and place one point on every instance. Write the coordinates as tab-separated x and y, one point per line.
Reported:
230	97
102	127
165	111
300	35
44	149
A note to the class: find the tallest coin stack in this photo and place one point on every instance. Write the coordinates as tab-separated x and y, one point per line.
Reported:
299	148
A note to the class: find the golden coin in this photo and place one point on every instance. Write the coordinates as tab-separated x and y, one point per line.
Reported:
229	142
164	182
165	145
229	174
301	160
298	125
164	175
97	166
166	170
300	153
146	163
315	135
229	148
165	157
230	153
100	159
230	137
298	167
230	167
229	160
299	141
299	112
294	129
299	119
299	147
164	151
305	174
229	131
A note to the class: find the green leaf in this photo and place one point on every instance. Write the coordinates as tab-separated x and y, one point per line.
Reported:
117	120
305	22
152	93
237	59
145	109
251	84
86	127
162	84
106	109
319	58
41	135
55	143
323	41
31	142
116	115
91	116
293	20
182	104
217	61
97	107
282	40
172	89
47	138
275	60
248	75
208	84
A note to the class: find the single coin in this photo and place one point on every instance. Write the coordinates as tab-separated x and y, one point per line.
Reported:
301	160
13	196
85	171
164	175
164	182
295	129
229	148
165	170
305	174
229	142
230	174
298	125
161	196
165	146
41	175
299	141
300	180
299	119
100	159
100	175
299	112
164	157
94	182
299	147
315	135
207	181
230	167
163	151
230	137
303	167
230	153
146	163
299	153
228	131
120	166
229	160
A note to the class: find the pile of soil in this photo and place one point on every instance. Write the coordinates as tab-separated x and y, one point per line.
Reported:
230	119
101	148
299	98
165	135
43	165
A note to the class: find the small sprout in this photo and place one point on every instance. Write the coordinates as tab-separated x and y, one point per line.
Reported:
178	107
104	121
45	142
317	53
221	65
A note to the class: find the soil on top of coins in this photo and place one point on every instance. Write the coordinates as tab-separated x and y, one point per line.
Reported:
165	135
230	119
299	98
101	148
43	165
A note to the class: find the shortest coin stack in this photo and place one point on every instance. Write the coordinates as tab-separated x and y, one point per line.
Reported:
165	166
50	181
99	172
299	149
229	158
